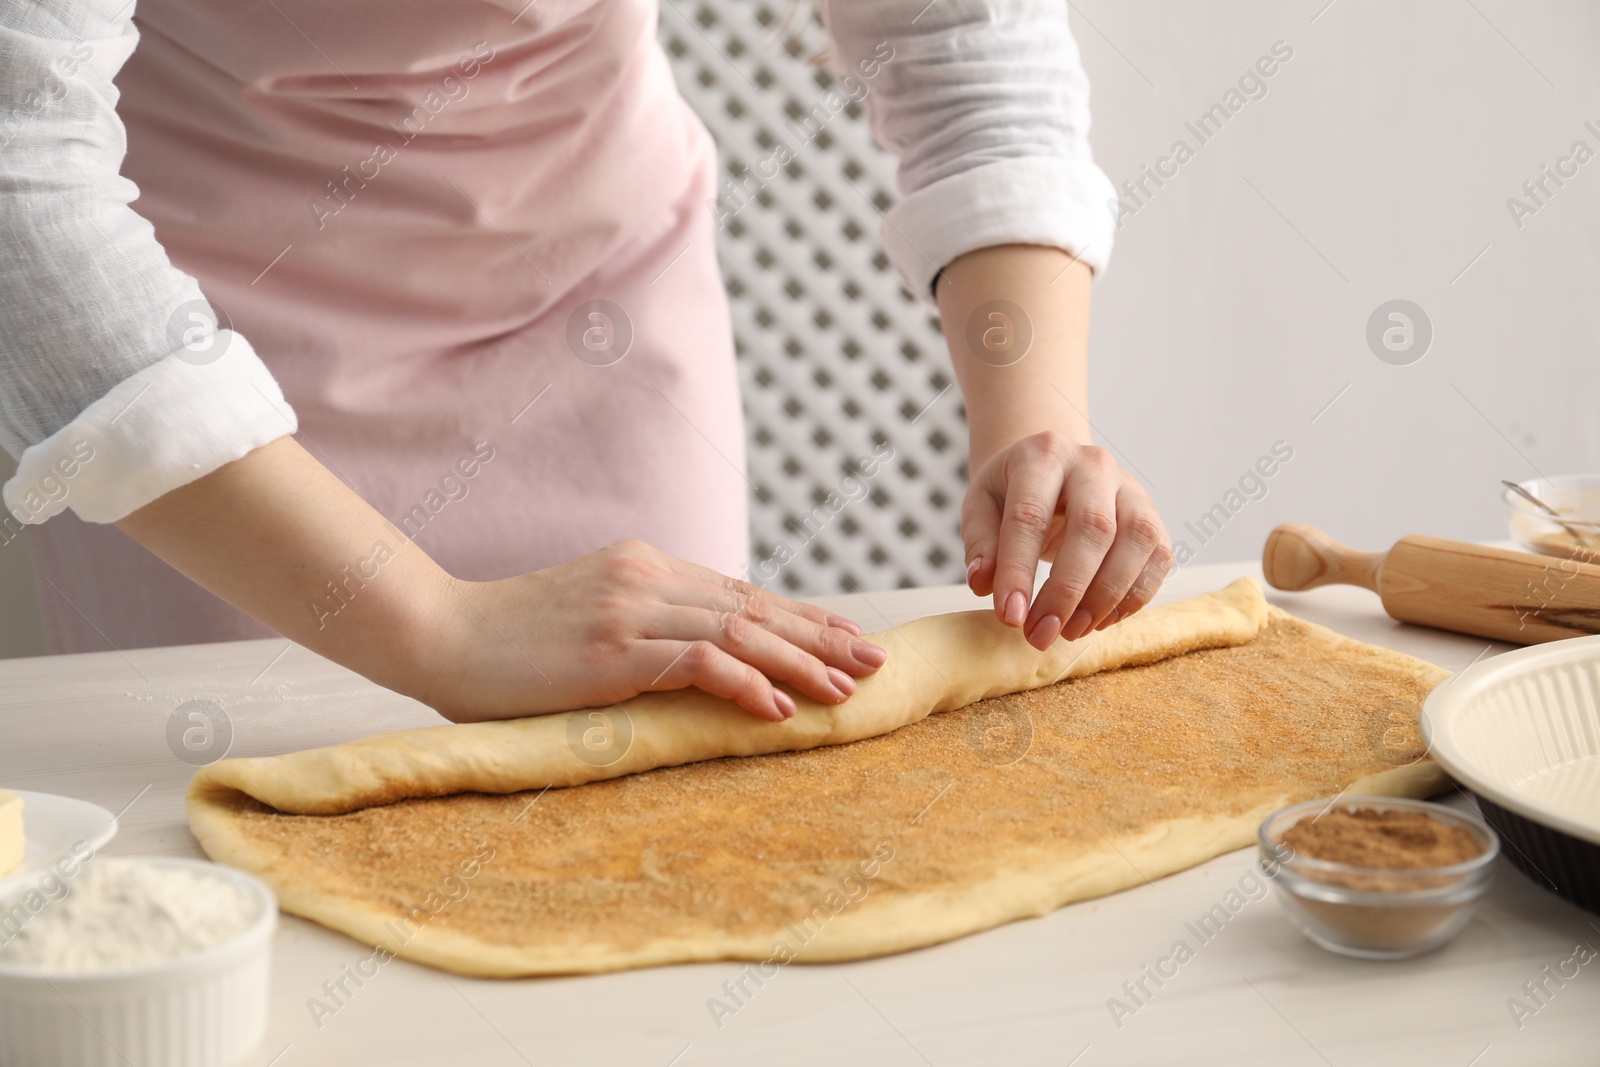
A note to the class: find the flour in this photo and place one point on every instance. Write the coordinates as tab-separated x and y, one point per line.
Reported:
123	914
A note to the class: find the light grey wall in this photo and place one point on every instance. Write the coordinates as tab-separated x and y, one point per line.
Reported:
1376	167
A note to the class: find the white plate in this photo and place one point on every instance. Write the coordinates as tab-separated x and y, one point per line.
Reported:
51	826
1523	730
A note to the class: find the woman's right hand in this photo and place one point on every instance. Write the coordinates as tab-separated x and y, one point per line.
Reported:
277	535
629	619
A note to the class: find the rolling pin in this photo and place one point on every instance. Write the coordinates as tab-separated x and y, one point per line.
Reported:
1490	592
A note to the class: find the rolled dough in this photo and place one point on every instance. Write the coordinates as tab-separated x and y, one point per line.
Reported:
1049	777
934	664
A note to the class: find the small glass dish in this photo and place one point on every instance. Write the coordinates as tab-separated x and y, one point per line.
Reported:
1376	913
1576	534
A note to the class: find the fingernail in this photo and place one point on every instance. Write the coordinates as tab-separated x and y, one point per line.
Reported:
1044	631
868	653
785	703
844	624
974	567
1078	625
1116	613
1016	608
841	681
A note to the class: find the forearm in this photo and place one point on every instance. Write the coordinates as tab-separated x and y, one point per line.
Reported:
1045	389
276	535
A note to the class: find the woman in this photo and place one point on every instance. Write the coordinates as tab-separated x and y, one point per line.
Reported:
463	248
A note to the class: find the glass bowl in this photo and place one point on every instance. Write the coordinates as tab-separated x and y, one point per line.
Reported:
1575	534
1375	912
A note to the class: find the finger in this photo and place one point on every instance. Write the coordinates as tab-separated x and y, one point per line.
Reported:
1139	532
1033	491
749	642
735	592
814	630
1144	587
980	533
705	666
834	646
1090	507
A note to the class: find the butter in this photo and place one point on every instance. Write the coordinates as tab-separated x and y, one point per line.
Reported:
10	832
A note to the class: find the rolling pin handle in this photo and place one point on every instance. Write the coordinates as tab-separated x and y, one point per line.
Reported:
1299	557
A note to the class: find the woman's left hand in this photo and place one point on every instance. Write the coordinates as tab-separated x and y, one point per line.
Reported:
1047	497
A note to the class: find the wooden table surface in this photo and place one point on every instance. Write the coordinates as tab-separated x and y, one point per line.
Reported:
1033	992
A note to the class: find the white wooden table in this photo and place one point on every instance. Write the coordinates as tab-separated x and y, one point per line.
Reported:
1034	992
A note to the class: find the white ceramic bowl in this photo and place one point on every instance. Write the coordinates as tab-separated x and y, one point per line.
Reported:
1522	732
203	1010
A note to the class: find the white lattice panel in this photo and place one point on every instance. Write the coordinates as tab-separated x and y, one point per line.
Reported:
836	358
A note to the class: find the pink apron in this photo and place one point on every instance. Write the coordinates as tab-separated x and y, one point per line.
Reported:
464	237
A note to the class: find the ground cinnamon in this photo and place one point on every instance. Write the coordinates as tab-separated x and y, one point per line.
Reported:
1388	839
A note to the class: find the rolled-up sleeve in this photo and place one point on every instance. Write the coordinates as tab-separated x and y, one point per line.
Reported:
116	383
987	106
